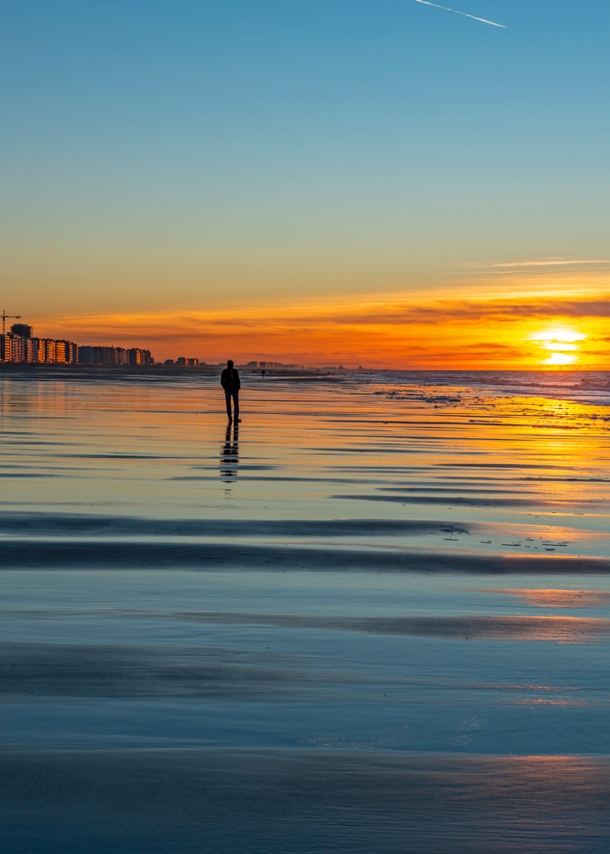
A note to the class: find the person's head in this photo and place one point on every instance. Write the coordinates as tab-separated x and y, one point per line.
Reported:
230	363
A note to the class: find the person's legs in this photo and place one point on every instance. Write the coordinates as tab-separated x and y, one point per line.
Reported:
236	404
228	402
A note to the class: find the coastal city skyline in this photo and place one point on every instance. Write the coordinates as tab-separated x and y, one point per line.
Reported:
21	346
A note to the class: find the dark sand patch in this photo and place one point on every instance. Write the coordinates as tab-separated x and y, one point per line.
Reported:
479	490
558	629
29	671
473	627
59	555
517	466
456	500
301	801
122	456
38	672
80	524
26	474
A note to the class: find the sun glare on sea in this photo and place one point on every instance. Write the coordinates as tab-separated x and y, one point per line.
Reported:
563	344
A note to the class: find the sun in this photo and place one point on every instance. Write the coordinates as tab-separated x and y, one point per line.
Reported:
561	359
558	335
563	344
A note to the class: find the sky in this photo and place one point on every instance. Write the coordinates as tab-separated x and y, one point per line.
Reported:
378	183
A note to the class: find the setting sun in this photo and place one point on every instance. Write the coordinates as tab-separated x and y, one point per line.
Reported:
558	335
562	342
561	359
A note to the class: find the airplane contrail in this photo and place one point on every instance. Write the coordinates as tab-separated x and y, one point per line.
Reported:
465	14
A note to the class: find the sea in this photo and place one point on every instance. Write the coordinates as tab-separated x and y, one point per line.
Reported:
373	616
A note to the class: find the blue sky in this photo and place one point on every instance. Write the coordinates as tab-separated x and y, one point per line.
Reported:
169	154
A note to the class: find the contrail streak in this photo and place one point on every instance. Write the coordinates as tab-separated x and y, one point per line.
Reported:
457	12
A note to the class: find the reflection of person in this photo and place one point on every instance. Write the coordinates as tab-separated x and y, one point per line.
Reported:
229	380
229	454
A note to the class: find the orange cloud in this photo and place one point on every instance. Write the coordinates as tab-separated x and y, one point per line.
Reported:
391	331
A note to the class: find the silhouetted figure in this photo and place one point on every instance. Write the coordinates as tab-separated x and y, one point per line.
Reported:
229	380
263	373
229	454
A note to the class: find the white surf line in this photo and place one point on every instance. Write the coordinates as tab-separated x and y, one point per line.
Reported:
465	14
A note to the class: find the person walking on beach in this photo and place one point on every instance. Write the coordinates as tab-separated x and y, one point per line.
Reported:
229	380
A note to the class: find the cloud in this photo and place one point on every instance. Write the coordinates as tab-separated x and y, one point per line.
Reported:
494	347
456	310
551	262
388	311
464	14
383	330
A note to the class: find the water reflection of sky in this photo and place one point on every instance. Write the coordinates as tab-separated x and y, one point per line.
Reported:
349	570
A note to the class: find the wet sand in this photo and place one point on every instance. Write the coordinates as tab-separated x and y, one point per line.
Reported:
302	801
373	618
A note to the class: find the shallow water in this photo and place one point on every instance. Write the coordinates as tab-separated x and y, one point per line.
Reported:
373	618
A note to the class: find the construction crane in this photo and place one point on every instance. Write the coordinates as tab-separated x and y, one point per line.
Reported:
4	317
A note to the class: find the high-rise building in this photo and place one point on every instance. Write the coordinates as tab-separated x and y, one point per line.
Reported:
92	355
140	357
31	350
6	348
23	348
60	352
183	362
50	350
97	355
22	330
19	349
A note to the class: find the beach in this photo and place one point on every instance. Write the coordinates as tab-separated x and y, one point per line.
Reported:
373	616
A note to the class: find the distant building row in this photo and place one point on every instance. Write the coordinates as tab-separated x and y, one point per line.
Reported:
19	345
182	362
48	351
114	356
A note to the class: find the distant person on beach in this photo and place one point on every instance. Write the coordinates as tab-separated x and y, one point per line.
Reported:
229	380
